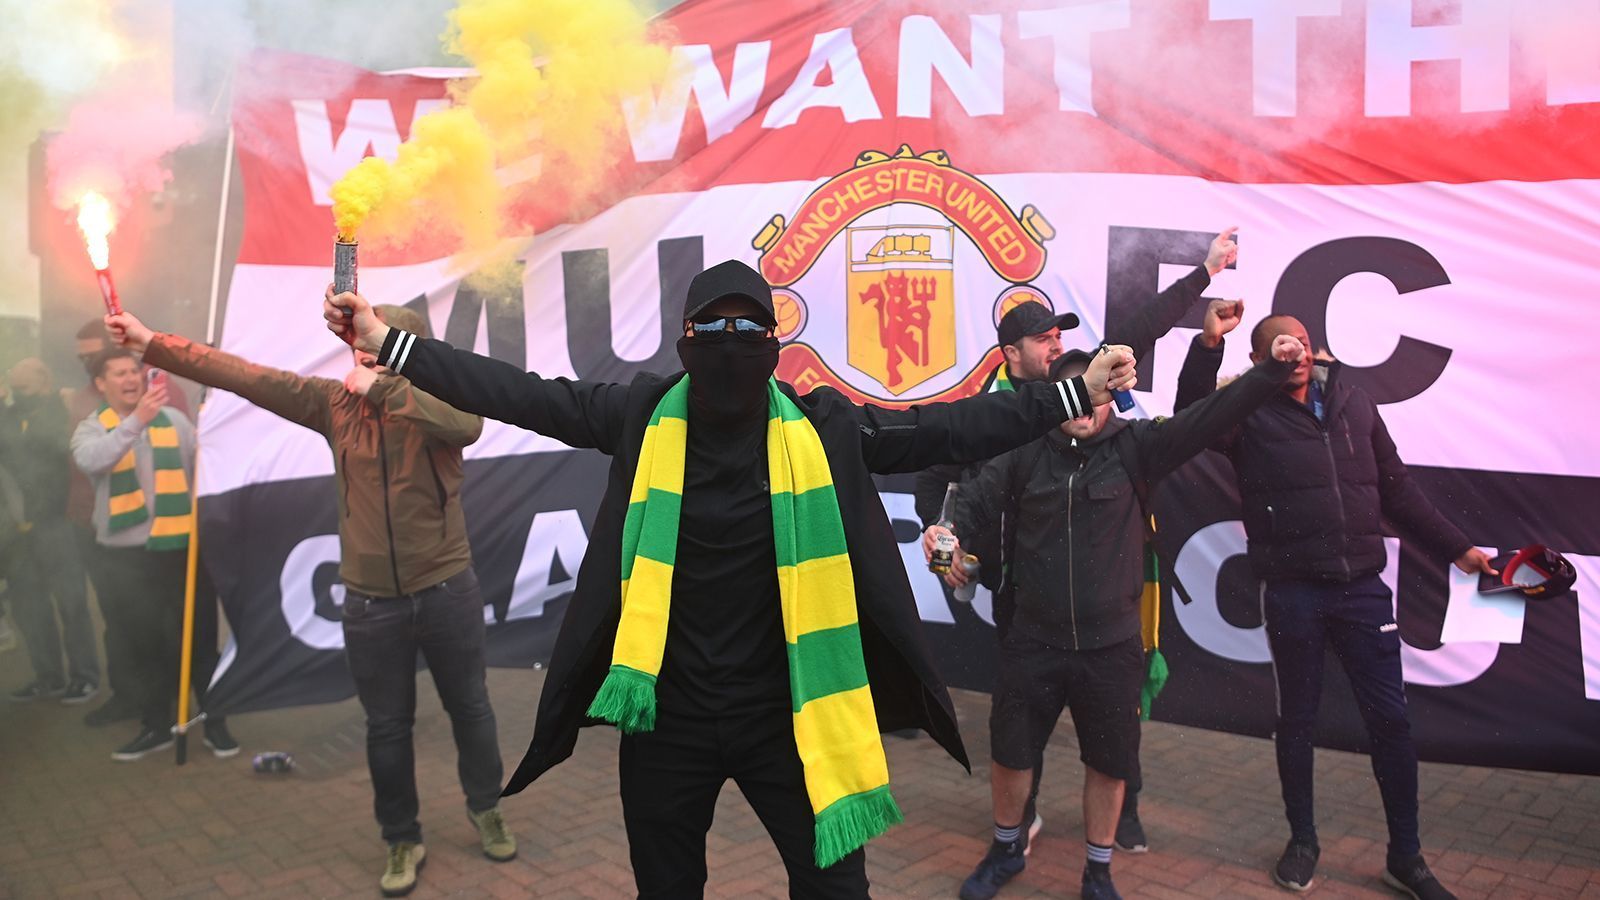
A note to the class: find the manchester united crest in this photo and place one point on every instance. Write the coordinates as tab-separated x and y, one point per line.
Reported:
897	247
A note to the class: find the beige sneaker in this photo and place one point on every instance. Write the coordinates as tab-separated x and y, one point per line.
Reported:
498	844
400	875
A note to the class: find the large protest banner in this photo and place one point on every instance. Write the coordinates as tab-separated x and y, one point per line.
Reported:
1419	186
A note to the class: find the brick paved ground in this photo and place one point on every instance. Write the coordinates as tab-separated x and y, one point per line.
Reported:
74	823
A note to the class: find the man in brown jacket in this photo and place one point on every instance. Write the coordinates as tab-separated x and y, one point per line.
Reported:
404	560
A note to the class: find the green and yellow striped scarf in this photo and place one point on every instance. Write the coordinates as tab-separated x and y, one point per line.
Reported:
1000	381
1155	674
835	725
170	530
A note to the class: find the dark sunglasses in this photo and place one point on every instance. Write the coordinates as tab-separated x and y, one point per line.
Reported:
741	327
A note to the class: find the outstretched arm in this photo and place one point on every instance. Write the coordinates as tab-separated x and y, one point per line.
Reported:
577	413
301	400
895	440
1156	316
1166	445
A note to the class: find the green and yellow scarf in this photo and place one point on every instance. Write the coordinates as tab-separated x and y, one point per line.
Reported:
170	530
1155	674
835	725
1000	381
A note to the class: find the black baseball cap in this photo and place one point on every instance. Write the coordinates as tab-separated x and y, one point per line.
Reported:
1031	318
730	279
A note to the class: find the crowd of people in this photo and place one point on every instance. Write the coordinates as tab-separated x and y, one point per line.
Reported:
743	611
95	490
1062	521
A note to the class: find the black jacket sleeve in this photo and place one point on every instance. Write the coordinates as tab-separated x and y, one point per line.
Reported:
1404	503
967	430
1167	444
1198	377
1156	317
929	490
577	413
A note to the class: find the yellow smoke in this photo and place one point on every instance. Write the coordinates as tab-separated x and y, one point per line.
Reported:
548	86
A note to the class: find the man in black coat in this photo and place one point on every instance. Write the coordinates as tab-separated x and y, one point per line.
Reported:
1030	338
1076	572
1318	473
723	699
44	569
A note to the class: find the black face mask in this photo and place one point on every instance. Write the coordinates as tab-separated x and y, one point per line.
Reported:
728	376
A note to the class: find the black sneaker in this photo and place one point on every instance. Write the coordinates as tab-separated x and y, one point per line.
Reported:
1130	833
36	690
1297	867
219	740
1097	885
1411	876
1002	863
149	741
114	710
79	692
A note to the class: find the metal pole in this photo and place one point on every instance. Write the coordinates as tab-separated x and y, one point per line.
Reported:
222	230
186	659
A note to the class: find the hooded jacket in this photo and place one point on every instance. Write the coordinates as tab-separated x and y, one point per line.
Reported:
907	690
1076	572
396	463
1154	318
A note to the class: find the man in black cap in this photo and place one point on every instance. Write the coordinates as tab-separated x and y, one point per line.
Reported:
1030	337
724	482
1078	496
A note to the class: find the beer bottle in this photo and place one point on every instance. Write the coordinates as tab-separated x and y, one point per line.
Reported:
944	546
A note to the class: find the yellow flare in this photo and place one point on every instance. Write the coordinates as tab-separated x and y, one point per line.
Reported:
549	81
95	220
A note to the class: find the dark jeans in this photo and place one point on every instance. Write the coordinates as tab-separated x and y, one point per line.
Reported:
207	619
670	779
1357	621
92	555
382	637
141	598
47	580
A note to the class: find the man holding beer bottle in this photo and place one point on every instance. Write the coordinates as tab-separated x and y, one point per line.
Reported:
1078	496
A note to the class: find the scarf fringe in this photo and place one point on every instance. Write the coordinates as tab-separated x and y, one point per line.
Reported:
851	821
626	699
1154	680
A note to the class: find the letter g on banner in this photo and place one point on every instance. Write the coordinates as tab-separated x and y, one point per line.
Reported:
298	587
